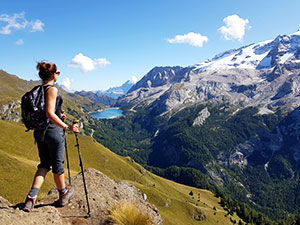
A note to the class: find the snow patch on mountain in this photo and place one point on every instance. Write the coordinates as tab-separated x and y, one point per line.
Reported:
285	57
245	58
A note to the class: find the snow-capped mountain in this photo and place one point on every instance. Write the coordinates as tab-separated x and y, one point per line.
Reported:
257	56
264	74
115	92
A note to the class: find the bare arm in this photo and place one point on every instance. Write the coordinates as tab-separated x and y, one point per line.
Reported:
51	96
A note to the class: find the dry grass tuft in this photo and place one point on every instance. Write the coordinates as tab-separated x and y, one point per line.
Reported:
128	214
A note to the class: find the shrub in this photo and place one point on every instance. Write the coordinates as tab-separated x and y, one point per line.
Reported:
128	214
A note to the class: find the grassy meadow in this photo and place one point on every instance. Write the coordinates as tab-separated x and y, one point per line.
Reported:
19	158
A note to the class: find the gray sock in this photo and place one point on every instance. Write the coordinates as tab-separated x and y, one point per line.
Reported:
33	192
63	191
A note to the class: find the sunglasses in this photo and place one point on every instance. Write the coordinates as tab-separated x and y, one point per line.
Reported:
57	72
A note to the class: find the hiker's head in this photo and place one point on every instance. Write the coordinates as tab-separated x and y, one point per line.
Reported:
47	71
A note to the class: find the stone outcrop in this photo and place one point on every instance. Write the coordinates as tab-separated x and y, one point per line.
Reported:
11	111
104	194
202	116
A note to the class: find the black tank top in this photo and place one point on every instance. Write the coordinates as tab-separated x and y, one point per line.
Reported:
58	110
59	101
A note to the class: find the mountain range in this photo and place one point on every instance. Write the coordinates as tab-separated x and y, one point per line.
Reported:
109	96
116	92
97	97
229	124
234	117
264	75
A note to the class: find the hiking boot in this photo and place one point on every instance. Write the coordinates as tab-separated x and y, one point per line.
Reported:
29	203
66	197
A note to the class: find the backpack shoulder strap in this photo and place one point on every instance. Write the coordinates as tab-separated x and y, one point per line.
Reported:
47	87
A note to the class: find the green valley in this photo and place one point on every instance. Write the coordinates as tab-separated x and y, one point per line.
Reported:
19	159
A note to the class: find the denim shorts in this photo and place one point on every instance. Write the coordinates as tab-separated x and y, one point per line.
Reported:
51	146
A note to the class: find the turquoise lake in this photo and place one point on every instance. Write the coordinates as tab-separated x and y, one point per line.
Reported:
107	113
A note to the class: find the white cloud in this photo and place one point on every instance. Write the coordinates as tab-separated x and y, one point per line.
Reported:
234	27
66	83
86	64
194	39
37	26
18	21
19	42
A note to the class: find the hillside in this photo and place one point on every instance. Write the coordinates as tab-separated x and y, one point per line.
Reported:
13	88
97	97
173	201
232	120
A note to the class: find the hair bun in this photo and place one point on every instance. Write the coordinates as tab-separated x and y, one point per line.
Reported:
46	70
47	65
40	66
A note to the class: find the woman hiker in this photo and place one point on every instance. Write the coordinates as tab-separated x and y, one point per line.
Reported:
51	141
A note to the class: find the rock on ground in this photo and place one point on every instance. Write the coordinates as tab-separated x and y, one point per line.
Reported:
103	193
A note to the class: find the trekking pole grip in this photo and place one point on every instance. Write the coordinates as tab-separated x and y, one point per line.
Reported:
75	122
77	143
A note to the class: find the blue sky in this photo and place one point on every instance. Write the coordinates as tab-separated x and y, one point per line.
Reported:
98	44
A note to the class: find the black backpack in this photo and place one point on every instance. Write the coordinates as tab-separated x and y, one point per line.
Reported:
33	106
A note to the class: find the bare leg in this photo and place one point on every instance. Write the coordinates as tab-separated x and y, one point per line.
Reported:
59	180
39	177
38	181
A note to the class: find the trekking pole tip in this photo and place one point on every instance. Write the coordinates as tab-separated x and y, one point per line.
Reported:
89	214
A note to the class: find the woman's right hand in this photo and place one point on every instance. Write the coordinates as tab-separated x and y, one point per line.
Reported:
74	128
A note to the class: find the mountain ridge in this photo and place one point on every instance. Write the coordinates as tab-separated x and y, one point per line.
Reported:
261	74
246	140
115	92
97	97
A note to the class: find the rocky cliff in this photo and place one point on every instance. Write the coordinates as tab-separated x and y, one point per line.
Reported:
104	194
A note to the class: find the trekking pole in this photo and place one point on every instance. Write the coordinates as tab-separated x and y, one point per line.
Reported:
68	165
86	193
